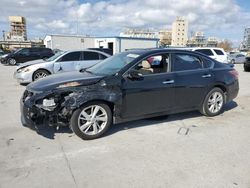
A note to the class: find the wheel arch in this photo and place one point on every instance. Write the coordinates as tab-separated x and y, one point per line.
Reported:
109	103
39	70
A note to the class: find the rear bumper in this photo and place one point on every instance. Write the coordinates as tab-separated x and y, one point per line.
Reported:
233	90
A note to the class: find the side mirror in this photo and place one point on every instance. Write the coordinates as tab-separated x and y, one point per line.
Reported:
135	75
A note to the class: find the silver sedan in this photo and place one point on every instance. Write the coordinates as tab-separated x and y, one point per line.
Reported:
59	63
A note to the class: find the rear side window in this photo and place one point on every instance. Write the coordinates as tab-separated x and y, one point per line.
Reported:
205	51
72	56
207	63
91	56
218	52
184	62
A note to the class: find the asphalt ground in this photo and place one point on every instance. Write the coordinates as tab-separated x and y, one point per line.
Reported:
182	150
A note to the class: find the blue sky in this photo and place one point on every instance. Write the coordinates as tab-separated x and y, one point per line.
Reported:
223	19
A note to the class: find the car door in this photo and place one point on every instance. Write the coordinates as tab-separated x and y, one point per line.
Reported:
192	80
67	62
89	59
34	54
23	55
153	92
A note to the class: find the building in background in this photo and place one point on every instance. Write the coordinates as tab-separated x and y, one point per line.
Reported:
69	42
18	30
179	32
197	40
121	44
139	33
165	37
246	40
212	42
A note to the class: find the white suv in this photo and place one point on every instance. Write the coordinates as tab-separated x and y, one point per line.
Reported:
216	53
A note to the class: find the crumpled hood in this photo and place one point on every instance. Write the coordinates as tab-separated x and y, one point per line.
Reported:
31	63
53	81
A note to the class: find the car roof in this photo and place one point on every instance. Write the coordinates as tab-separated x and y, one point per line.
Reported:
87	50
149	51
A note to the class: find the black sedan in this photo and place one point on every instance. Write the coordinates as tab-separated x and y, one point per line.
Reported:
26	54
128	86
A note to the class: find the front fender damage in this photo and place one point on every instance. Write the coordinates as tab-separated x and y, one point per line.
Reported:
67	100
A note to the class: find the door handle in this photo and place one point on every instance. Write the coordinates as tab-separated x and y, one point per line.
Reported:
168	82
206	76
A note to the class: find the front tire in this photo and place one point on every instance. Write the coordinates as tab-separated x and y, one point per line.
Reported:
11	61
40	74
213	103
91	120
233	61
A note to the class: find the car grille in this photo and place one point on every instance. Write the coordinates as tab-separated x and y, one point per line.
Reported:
27	94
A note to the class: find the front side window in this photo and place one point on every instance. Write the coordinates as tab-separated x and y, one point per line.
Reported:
153	64
205	51
90	56
72	56
182	62
24	51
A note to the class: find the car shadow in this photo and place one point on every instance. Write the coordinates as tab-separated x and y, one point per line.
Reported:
49	132
162	119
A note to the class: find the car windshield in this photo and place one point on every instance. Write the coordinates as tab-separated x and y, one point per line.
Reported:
52	58
113	64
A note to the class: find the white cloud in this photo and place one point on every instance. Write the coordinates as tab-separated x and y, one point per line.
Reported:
110	17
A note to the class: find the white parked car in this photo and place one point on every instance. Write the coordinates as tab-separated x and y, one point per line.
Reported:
236	58
216	53
59	63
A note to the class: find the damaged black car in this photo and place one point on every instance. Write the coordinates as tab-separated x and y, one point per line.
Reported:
128	86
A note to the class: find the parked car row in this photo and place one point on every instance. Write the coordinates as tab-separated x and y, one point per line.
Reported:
26	54
127	86
59	63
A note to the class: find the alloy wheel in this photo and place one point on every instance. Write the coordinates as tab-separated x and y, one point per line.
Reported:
40	75
92	120
12	61
215	102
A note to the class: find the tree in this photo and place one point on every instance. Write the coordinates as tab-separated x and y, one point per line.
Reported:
226	45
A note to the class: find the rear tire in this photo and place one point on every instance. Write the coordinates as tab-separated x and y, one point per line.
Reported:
246	69
91	121
213	103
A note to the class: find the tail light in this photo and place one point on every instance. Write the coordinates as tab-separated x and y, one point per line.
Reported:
234	73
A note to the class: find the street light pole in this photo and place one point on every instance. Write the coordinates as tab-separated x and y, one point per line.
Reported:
3	35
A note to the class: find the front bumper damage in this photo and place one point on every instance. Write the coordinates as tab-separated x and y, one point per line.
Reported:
35	116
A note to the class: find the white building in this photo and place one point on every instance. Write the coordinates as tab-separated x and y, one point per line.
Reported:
68	42
139	33
179	32
121	44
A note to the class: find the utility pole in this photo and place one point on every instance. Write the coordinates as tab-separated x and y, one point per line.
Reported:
3	35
